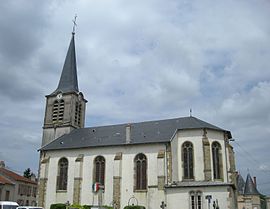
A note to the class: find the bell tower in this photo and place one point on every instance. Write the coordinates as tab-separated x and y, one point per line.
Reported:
65	107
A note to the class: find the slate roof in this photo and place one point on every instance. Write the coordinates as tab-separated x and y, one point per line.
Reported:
68	81
240	184
14	176
160	131
250	187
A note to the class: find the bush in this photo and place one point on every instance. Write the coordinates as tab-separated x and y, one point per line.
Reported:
76	206
134	207
89	207
58	206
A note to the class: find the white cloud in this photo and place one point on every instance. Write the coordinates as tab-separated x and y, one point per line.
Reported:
137	61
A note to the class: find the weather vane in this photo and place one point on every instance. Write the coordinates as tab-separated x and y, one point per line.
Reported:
74	24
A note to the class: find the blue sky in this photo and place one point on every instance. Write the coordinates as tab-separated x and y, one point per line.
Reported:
140	60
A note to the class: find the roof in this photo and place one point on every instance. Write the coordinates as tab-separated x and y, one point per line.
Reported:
250	187
68	81
197	184
4	180
240	184
12	175
159	131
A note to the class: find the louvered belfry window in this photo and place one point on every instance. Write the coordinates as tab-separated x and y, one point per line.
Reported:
216	156
141	172
62	176
99	170
58	111
187	155
78	110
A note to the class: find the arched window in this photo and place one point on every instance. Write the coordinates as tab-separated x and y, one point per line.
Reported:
58	111
140	162
187	158
99	170
217	160
195	200
62	176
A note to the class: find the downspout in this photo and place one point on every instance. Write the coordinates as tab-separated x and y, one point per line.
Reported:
226	158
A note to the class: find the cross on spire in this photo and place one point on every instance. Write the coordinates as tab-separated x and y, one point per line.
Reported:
74	24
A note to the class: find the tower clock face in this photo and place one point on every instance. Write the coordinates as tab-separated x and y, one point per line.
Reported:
59	96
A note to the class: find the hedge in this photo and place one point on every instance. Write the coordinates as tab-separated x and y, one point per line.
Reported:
134	207
58	206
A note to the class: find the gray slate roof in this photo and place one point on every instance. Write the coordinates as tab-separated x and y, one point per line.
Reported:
160	131
250	188
68	81
240	184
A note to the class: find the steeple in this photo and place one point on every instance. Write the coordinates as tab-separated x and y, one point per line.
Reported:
65	107
68	82
240	184
250	188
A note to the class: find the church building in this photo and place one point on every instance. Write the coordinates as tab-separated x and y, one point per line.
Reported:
182	162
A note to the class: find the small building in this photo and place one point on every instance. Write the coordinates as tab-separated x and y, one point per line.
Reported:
14	187
248	195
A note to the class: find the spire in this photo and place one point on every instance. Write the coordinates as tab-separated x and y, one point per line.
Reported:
240	184
68	81
250	188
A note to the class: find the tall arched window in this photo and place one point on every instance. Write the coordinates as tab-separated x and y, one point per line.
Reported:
217	160
187	157
58	111
62	176
140	162
99	170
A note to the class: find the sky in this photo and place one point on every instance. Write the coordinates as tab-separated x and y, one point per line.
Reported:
140	60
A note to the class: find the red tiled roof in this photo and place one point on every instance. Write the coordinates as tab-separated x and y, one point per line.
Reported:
15	176
4	180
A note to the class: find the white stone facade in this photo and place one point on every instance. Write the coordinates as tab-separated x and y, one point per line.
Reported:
124	168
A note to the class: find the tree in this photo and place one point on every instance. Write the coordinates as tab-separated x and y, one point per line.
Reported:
27	173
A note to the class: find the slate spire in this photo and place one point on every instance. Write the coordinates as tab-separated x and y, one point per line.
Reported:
250	188
68	81
240	184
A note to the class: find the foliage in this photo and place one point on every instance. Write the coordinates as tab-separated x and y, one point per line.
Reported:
58	206
87	206
134	207
76	206
27	173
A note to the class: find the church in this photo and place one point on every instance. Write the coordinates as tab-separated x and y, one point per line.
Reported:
183	162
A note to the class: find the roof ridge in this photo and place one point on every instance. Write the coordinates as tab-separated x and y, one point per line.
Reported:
130	123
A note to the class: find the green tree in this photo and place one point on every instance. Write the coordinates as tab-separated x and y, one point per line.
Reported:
27	173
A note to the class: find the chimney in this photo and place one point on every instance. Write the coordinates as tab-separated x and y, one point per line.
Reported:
255	181
2	164
128	133
33	177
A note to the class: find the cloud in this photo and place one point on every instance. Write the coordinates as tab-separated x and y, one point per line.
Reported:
140	60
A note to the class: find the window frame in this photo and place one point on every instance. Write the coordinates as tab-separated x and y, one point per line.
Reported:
99	174
216	160
188	160
140	172
195	200
62	174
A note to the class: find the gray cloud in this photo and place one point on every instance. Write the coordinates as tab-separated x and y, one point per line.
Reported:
140	61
